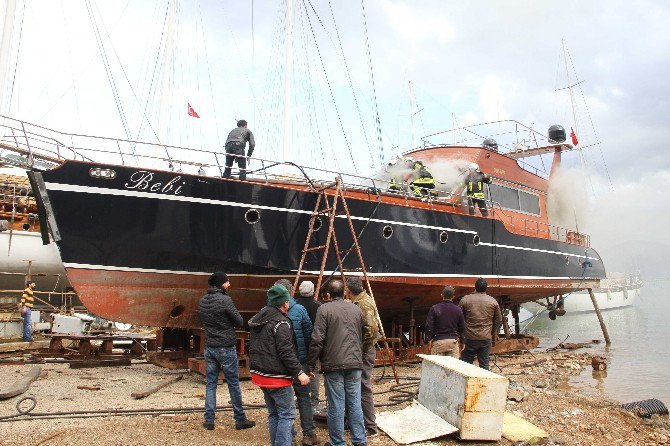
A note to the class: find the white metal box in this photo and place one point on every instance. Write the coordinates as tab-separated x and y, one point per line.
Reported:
466	396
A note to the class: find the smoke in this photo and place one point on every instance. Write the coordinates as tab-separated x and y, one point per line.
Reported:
568	199
449	175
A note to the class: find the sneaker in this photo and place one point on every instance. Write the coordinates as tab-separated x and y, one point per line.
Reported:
310	440
246	424
208	426
369	432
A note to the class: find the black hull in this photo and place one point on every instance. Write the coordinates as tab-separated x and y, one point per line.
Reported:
191	224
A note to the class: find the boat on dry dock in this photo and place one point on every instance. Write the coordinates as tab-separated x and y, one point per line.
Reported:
138	241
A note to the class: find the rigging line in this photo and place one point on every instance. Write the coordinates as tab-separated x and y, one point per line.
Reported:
69	51
123	70
347	71
209	77
153	78
75	79
16	64
330	89
374	89
572	65
593	127
110	76
314	123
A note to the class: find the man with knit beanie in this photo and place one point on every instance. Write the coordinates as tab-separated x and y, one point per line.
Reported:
274	364
308	299
219	318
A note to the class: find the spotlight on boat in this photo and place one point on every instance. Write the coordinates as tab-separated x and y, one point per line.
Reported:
556	134
490	144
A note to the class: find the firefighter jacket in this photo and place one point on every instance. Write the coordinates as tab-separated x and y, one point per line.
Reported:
475	185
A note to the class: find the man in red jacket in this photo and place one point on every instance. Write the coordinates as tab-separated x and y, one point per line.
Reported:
274	364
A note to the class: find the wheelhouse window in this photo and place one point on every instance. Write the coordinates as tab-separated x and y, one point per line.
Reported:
515	199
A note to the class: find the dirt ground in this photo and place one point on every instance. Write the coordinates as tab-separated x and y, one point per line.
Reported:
539	380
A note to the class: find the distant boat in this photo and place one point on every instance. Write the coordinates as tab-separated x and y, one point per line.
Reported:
22	251
615	292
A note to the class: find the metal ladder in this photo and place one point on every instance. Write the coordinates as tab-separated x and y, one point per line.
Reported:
327	206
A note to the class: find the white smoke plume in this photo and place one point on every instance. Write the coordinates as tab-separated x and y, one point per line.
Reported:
568	199
449	174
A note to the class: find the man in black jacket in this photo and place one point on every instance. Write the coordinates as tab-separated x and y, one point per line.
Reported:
274	364
219	318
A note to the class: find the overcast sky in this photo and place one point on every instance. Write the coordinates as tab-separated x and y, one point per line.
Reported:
469	62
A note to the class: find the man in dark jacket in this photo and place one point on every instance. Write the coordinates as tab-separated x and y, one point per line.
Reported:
302	328
219	318
235	143
445	326
337	340
309	300
274	364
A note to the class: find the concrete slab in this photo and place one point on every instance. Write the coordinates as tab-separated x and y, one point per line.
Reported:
413	424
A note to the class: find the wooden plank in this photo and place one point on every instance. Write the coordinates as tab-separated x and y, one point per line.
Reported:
20	346
155	388
89	363
21	385
517	429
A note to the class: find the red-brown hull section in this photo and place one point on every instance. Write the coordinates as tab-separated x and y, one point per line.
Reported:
171	300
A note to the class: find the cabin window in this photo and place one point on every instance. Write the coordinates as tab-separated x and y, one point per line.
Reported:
515	199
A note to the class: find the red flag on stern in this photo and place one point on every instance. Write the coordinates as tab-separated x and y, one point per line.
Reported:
192	112
574	137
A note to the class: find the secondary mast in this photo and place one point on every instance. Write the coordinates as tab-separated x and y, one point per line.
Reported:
288	78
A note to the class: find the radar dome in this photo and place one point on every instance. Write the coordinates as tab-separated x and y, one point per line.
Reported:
556	133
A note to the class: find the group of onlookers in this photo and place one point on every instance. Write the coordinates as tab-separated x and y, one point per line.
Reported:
289	337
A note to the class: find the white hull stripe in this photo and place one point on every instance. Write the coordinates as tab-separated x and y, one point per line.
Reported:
446	276
538	250
131	193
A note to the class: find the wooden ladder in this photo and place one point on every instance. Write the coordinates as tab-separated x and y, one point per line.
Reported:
327	207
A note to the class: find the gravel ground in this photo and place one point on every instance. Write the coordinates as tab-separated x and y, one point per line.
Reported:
540	381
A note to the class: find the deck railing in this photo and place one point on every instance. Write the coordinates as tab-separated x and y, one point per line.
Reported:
41	148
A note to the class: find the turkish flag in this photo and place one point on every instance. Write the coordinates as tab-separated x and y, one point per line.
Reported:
192	112
574	137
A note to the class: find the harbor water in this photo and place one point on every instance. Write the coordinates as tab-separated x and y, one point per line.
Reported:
638	361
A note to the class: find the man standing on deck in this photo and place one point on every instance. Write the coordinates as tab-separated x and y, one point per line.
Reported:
445	326
371	335
474	184
235	143
482	322
219	318
27	301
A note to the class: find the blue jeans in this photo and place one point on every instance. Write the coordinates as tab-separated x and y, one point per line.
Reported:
482	348
225	359
343	391
26	325
302	394
281	415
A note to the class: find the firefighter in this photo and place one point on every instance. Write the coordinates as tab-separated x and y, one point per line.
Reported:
474	184
423	182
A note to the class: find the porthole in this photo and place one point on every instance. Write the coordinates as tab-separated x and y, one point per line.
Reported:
25	226
317	224
444	236
475	240
177	311
387	232
252	216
